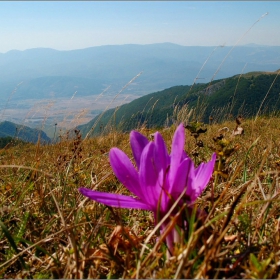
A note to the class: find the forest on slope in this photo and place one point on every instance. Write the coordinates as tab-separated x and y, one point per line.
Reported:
238	95
14	131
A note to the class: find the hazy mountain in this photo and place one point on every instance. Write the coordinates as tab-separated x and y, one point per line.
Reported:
235	95
48	73
57	86
25	133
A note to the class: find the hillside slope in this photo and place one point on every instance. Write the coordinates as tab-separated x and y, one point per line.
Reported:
25	133
235	95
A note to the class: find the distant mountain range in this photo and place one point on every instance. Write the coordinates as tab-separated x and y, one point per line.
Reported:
244	94
59	75
46	73
224	98
25	133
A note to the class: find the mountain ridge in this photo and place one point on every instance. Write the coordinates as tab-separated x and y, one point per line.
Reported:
25	133
240	94
163	65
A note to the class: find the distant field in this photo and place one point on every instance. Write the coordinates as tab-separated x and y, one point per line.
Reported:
65	112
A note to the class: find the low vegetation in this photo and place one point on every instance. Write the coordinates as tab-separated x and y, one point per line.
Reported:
49	230
7	142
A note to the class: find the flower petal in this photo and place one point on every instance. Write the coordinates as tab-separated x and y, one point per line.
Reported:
200	178
162	159
177	151
181	177
191	182
138	142
114	200
203	174
148	175
125	171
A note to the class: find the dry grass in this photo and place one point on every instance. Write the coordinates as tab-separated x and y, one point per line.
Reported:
50	231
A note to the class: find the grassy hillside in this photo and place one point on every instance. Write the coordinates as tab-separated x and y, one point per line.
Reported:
134	113
49	230
25	133
221	99
7	142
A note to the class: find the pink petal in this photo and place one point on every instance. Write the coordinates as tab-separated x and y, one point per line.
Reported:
181	177
148	174
199	178
138	142
177	151
114	200
191	191
125	172
184	155
162	159
203	174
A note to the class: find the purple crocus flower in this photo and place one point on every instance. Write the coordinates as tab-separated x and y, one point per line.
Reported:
158	179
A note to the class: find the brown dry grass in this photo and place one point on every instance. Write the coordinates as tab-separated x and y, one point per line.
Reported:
50	231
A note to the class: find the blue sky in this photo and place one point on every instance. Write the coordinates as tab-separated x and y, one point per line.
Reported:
68	25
